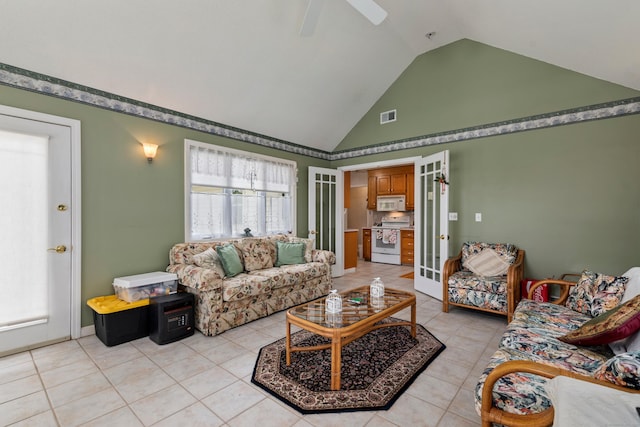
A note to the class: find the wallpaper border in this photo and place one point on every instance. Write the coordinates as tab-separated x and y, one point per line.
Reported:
39	83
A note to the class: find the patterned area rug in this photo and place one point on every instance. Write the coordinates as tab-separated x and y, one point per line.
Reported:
376	369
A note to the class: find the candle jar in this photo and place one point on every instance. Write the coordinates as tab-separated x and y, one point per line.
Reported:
376	289
333	303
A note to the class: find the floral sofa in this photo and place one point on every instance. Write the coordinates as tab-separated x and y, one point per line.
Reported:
589	333
261	286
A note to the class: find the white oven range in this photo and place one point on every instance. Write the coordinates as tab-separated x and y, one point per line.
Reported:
385	239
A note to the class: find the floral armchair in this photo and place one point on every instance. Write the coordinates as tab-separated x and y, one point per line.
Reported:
484	276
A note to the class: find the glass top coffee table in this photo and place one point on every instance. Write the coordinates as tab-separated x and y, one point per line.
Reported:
360	315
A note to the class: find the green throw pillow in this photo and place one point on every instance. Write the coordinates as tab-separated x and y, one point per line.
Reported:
289	253
230	260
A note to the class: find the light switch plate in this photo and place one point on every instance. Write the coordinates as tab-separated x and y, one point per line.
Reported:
478	217
453	216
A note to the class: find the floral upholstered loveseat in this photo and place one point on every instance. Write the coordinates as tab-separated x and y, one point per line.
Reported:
262	284
589	333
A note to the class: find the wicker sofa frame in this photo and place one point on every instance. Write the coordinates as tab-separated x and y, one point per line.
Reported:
490	414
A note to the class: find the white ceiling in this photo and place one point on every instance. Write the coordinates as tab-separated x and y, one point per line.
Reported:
243	63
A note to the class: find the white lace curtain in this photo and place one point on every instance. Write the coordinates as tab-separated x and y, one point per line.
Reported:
218	168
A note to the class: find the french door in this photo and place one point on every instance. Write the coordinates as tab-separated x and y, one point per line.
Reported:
431	222
325	203
37	229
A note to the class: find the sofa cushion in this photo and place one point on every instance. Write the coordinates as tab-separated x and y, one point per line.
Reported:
556	320
537	345
483	299
622	369
278	277
610	326
305	272
596	293
289	253
230	260
256	253
209	259
245	286
487	263
468	280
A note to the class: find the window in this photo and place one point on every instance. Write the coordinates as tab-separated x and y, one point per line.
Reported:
229	191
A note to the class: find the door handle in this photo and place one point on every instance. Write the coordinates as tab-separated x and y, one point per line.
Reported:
443	237
58	249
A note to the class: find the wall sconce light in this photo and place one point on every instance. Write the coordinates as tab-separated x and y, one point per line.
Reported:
149	151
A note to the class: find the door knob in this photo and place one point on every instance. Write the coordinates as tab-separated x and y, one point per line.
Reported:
443	237
58	249
62	208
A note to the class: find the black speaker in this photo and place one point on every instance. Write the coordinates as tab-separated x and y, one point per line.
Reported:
171	317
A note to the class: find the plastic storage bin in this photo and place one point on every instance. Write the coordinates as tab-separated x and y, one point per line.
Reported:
143	286
118	321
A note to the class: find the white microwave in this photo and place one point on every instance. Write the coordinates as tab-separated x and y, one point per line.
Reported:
391	203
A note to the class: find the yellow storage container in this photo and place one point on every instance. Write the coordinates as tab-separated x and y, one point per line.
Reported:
117	321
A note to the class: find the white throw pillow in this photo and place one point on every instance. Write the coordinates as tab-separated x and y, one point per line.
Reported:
633	285
487	263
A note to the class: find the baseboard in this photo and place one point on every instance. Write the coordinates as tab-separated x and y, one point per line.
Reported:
87	330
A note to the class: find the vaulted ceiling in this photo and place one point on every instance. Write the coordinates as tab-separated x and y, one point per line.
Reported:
244	63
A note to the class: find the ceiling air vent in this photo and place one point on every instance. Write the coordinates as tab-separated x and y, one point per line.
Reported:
388	116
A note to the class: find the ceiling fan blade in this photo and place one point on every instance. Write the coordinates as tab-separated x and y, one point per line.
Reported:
370	9
311	17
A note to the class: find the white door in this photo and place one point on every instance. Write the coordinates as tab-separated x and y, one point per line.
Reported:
36	228
431	222
325	200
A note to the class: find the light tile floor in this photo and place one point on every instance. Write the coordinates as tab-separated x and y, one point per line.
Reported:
205	381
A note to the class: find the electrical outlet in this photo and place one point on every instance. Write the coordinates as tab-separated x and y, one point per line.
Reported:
453	216
478	217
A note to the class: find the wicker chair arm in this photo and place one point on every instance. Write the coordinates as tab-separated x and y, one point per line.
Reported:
491	414
515	274
564	293
453	264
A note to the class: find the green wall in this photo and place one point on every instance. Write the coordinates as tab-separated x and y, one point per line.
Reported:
468	84
568	195
132	211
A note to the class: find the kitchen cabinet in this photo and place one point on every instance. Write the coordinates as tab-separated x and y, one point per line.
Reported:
406	247
389	182
372	195
410	190
350	249
366	244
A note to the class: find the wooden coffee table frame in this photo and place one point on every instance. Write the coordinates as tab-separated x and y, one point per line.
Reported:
341	336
